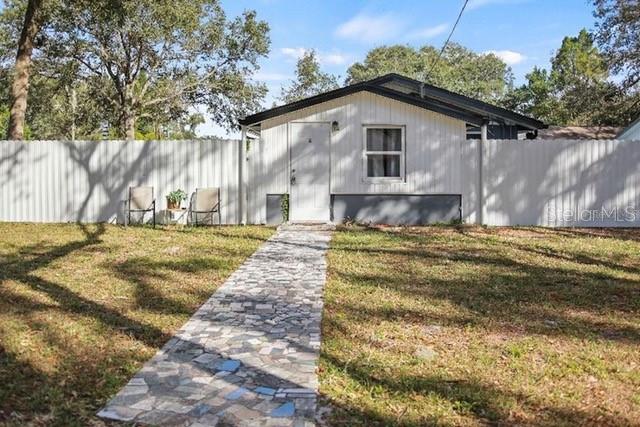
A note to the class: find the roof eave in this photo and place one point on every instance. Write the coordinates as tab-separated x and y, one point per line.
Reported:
378	90
303	103
458	106
480	107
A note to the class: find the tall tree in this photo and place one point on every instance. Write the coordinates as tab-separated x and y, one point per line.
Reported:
578	61
22	69
576	91
618	34
579	81
164	55
536	98
482	76
309	81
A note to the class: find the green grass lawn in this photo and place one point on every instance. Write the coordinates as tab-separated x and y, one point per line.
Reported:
82	308
475	326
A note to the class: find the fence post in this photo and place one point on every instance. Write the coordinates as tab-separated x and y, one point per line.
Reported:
242	182
481	146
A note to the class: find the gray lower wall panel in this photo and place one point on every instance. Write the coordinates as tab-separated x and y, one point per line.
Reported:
396	209
274	209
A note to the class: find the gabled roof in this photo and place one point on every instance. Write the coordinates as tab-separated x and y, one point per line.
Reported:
416	93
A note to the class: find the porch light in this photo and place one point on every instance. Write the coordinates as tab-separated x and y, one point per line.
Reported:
335	126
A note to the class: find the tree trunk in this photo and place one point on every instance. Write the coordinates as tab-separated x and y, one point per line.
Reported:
128	114
20	88
74	106
130	126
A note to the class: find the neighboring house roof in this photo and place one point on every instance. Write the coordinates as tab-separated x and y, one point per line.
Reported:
632	129
416	93
579	132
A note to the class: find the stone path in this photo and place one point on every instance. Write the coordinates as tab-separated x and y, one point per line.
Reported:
248	356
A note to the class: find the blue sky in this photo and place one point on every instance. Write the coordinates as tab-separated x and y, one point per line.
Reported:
523	32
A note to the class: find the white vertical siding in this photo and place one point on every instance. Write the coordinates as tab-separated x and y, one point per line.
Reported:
433	144
87	181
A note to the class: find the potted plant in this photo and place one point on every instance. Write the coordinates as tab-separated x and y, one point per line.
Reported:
175	198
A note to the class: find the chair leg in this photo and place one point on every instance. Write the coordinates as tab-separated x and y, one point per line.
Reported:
219	218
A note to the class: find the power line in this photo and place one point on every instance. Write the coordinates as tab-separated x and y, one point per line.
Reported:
444	46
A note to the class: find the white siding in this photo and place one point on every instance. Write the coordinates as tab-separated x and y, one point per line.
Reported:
53	181
433	149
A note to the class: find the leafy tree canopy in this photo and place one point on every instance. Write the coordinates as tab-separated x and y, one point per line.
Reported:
618	34
482	76
577	90
139	63
165	54
309	81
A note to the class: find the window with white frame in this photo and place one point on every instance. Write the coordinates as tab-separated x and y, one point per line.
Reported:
384	152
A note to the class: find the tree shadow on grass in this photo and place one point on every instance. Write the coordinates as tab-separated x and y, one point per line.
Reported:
493	286
154	280
483	403
50	397
84	373
18	379
22	269
67	393
461	278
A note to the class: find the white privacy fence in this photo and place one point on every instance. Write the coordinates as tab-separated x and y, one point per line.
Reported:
88	181
550	183
561	183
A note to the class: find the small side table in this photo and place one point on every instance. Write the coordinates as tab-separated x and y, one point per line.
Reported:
174	216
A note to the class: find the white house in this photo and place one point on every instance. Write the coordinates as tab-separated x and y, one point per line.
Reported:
389	150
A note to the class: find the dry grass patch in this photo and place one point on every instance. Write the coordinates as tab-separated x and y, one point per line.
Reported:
82	307
472	326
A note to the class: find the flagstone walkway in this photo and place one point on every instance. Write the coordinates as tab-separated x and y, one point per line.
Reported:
248	356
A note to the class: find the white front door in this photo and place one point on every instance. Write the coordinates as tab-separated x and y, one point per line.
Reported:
309	196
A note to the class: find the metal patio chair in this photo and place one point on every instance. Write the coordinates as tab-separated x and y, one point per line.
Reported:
205	202
141	199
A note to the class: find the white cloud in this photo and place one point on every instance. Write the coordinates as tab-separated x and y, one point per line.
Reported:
369	28
293	52
333	58
508	56
475	4
429	32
